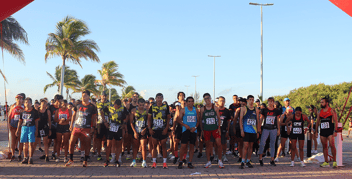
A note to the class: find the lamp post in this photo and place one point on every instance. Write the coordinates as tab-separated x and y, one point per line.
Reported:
195	87
261	49
214	72
187	89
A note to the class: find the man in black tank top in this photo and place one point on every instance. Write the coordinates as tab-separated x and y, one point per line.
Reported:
44	128
129	137
58	99
180	104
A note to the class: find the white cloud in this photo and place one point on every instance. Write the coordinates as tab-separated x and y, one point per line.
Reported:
143	93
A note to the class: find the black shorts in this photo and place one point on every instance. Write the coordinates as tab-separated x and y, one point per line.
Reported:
102	132
114	135
63	128
284	134
158	135
129	129
178	132
140	136
223	137
189	136
297	137
231	132
43	131
238	132
250	137
53	133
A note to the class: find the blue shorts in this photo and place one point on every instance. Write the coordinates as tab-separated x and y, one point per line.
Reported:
28	134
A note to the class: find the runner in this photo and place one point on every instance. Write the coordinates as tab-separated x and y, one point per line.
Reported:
28	125
158	125
116	131
14	117
188	119
327	119
44	128
58	99
226	119
62	118
212	129
101	128
180	104
283	131
271	127
297	133
138	120
250	129
232	108
128	140
313	118
237	129
83	128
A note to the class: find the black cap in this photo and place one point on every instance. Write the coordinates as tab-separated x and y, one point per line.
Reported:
58	97
257	101
104	93
87	92
298	109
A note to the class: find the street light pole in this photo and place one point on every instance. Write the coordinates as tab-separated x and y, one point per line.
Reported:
214	72
261	48
195	87
187	89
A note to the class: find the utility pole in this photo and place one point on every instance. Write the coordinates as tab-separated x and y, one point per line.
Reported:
214	72
195	87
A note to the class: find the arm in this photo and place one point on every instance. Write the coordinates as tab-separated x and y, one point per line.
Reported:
73	120
219	119
201	119
258	123
36	126
94	123
241	120
56	117
150	124
19	125
317	124
278	125
132	116
180	121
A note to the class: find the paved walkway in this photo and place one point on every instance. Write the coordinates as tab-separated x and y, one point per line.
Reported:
95	169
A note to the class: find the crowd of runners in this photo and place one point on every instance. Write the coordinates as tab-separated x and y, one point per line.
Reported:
153	129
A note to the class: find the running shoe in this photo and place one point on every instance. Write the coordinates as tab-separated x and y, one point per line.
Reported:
175	160
40	150
261	162
239	160
110	157
196	151
133	164
199	155
334	165
207	165
128	157
112	160
25	161
276	159
165	166
292	164
144	164
154	165
42	157
13	158
85	163
242	165
118	164
249	164
272	163
190	165
184	161
16	149
180	165
302	164
224	159
99	158
53	157
30	161
65	159
221	165
57	160
172	157
106	164
69	163
46	159
211	158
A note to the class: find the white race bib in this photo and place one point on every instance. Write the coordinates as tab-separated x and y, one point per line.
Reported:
16	117
42	132
270	120
140	124
62	116
114	127
324	125
191	118
297	131
251	122
222	120
158	123
210	121
81	121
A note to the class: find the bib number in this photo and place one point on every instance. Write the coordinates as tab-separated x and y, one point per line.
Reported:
270	120
140	124
191	118
42	133
16	117
62	116
210	121
297	131
222	120
251	122
114	128
325	125
158	123
81	121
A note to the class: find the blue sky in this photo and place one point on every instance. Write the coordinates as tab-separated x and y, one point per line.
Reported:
159	45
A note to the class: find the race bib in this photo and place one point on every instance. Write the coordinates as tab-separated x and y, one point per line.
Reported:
158	123
114	127
62	116
81	121
270	120
42	133
297	131
251	122
325	125
140	124
222	120
191	118
210	121
171	122
16	117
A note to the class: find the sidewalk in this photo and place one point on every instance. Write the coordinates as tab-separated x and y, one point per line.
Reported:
95	169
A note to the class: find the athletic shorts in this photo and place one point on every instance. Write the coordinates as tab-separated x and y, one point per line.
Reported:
238	132
53	133
28	134
223	137
114	135
284	134
63	128
231	132
158	135
43	131
140	136
297	137
327	132
178	132
214	133
129	129
81	132
102	131
188	136
250	137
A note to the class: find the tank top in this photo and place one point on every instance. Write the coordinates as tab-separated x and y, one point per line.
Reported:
250	121
64	114
326	123
190	118
297	126
140	121
43	119
15	116
209	118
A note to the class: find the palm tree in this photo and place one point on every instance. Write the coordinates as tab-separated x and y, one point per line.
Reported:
128	92
86	83
13	31
110	76
68	44
70	79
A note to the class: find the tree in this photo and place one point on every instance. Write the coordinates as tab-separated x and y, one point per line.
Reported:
68	44
110	76
70	79
128	92
86	83
12	31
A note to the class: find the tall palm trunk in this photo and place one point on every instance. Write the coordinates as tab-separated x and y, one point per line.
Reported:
62	75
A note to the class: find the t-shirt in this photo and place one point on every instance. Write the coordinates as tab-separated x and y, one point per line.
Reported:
140	120
116	117
270	118
159	116
84	115
29	117
225	116
102	106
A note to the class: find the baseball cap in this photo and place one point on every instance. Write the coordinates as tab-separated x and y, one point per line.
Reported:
287	99
19	96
